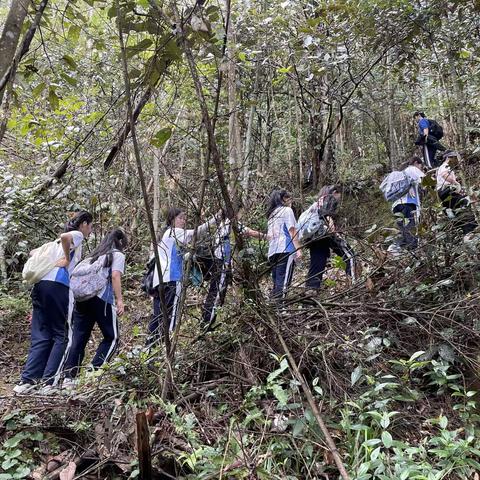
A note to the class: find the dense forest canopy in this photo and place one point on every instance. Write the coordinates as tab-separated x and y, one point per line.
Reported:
125	108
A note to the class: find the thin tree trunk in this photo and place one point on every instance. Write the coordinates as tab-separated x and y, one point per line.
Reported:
10	72
11	35
298	118
156	178
248	141
234	136
136	149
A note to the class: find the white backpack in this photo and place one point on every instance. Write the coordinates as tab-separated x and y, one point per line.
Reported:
41	261
395	185
310	225
87	279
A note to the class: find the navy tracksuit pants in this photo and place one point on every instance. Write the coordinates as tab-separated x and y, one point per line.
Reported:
320	253
173	291
221	276
85	315
50	317
406	224
282	273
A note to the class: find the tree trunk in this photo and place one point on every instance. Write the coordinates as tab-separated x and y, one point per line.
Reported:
234	136
11	35
247	159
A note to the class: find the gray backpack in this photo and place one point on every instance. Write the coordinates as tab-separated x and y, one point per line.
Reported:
395	185
88	279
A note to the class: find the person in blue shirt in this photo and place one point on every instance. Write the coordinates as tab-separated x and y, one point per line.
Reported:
173	240
102	309
426	139
407	208
52	310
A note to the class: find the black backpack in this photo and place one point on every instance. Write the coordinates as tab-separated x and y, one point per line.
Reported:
435	129
147	280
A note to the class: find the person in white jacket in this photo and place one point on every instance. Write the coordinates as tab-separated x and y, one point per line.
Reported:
169	248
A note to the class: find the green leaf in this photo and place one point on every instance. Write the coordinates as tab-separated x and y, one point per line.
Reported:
172	50
73	33
161	137
14	441
70	80
356	374
139	47
339	262
443	422
70	62
385	421
53	99
36	436
374	455
21	472
38	89
280	394
387	439
281	369
416	355
11	462
298	428
242	56
285	69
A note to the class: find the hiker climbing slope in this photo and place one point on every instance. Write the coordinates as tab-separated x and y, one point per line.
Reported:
221	267
324	239
429	134
407	207
52	307
174	238
98	277
283	244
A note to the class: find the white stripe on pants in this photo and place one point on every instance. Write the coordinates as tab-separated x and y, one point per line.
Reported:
71	303
288	273
173	318
114	344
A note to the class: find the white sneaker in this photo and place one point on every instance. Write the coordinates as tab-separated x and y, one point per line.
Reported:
469	237
23	388
48	390
394	250
69	383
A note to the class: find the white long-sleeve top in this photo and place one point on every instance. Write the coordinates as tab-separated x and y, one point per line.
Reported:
169	251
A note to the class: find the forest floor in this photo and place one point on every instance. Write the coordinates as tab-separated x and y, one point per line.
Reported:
392	361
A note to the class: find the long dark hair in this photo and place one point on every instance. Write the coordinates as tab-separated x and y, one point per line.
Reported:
114	240
277	199
75	222
330	203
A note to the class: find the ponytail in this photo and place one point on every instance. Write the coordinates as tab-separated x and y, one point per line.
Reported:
75	222
114	240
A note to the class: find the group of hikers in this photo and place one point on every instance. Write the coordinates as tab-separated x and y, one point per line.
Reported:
73	296
403	188
70	296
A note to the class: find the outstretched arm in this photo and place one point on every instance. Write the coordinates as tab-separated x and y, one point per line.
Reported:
249	232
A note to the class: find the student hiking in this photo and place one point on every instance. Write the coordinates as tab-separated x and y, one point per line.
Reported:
52	307
173	239
450	192
283	244
99	278
325	239
407	207
429	134
221	267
